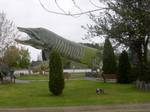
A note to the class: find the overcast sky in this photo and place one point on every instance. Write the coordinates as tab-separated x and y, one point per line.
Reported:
29	13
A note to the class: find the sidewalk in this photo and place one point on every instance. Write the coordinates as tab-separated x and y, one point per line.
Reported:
91	108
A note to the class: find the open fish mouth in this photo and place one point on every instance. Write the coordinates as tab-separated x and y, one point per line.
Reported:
34	39
30	32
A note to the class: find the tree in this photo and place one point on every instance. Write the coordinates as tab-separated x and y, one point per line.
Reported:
56	79
11	56
94	45
7	33
15	57
24	58
124	69
109	61
127	23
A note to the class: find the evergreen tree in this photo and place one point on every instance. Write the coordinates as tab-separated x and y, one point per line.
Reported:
56	79
124	69
109	61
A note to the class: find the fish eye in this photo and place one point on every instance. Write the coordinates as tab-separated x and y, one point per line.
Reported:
40	28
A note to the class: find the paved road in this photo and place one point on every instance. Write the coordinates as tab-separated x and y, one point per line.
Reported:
97	108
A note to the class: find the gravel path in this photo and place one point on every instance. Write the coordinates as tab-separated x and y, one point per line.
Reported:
22	81
94	108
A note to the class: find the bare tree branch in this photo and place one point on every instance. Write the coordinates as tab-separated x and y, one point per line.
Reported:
94	4
69	13
77	6
61	9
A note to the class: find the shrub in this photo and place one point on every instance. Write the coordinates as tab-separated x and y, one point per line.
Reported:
67	75
109	61
41	68
124	69
56	79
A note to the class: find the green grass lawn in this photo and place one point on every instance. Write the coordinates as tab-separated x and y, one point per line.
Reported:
33	77
45	77
76	92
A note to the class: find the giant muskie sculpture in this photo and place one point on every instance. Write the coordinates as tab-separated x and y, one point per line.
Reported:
46	40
